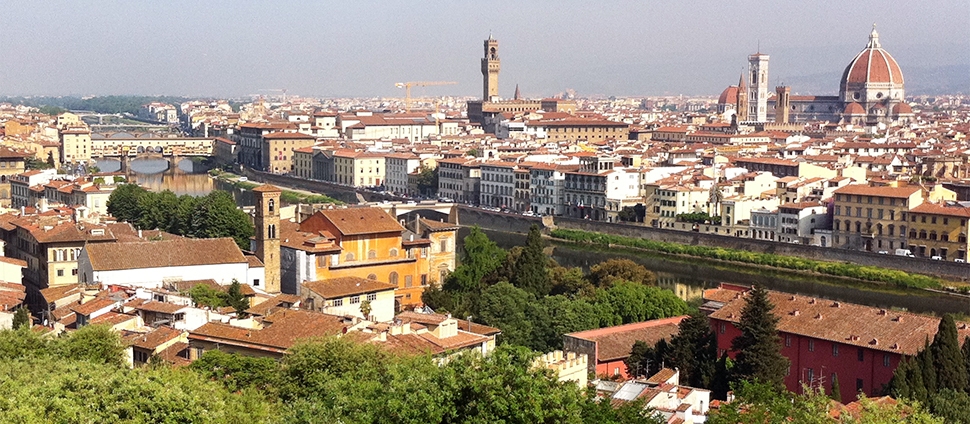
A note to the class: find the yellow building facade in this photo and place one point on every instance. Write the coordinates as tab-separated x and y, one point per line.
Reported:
939	231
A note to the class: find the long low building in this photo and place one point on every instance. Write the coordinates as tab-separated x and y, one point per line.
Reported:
152	263
824	339
608	347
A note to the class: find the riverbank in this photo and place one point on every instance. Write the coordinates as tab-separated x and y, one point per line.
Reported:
833	269
289	195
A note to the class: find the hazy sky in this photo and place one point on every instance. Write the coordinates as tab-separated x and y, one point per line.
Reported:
361	48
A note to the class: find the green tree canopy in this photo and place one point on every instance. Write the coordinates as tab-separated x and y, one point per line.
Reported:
951	372
530	266
609	271
758	346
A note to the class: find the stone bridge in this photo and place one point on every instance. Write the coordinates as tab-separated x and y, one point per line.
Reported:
398	209
125	144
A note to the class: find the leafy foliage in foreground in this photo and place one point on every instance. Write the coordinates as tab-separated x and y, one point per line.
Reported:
81	378
868	273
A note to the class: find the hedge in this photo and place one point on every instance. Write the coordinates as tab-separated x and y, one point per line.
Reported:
868	273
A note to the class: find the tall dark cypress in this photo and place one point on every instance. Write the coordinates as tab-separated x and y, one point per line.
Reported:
759	346
951	373
530	267
927	368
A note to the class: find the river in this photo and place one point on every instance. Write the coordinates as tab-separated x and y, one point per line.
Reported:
688	277
192	178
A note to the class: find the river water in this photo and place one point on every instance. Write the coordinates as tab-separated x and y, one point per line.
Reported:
192	178
688	277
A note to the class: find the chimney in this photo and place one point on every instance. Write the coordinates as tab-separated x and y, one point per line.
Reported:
139	233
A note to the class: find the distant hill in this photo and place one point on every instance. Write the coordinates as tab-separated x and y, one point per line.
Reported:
948	79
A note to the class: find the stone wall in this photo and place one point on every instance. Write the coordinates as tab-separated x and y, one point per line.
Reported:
517	223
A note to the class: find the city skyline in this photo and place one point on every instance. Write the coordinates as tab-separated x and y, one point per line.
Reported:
337	50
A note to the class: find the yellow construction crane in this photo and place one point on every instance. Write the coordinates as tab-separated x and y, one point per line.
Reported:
407	89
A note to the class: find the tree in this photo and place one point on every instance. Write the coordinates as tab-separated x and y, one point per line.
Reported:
237	372
236	299
21	318
503	305
216	215
427	180
836	392
95	343
123	202
927	368
609	271
951	372
635	302
952	406
721	381
694	350
530	266
365	309
50	160
204	295
758	346
966	355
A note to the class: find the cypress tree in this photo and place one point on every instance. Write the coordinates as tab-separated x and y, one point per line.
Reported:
758	347
836	394
530	267
927	368
899	385
21	318
917	388
721	381
966	356
951	373
694	350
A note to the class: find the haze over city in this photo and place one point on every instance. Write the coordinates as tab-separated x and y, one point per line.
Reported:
353	49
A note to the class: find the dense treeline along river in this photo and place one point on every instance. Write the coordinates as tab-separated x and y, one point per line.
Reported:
688	277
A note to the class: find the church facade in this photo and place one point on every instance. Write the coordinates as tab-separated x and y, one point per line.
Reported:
871	91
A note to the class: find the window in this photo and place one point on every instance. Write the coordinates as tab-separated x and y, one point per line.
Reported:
255	282
372	254
444	245
861	354
722	328
835	349
74	271
140	356
338	302
179	317
424	279
408	281
60	273
393	253
810	375
858	384
272	205
885	359
392	278
811	345
372	277
354	300
371	297
350	256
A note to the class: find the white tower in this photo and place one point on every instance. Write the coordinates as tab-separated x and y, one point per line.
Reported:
758	87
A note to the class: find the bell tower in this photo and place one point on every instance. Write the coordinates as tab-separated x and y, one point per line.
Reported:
490	67
266	242
758	91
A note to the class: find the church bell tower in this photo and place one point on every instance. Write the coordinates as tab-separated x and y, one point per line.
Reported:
758	91
266	242
490	68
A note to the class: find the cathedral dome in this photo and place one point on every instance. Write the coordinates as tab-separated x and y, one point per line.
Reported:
854	109
873	65
729	96
902	109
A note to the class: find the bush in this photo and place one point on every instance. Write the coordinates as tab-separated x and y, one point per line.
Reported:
861	272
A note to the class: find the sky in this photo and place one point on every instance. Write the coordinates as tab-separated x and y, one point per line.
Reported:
361	48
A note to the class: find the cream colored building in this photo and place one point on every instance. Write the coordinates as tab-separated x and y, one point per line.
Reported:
570	366
349	296
359	169
75	144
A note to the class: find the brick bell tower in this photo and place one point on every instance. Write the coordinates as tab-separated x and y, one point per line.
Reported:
266	242
490	67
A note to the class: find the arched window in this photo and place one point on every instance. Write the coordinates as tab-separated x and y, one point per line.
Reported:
272	205
858	227
891	229
879	229
392	278
372	277
933	235
393	253
271	232
372	254
350	256
922	234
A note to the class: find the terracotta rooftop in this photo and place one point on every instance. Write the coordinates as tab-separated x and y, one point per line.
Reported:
346	286
614	343
865	190
165	253
286	329
357	221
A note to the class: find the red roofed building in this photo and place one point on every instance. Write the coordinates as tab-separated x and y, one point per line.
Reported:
862	345
607	348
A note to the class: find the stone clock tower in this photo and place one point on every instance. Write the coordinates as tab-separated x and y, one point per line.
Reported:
266	242
490	68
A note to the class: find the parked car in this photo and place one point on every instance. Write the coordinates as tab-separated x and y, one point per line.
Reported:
936	258
962	261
